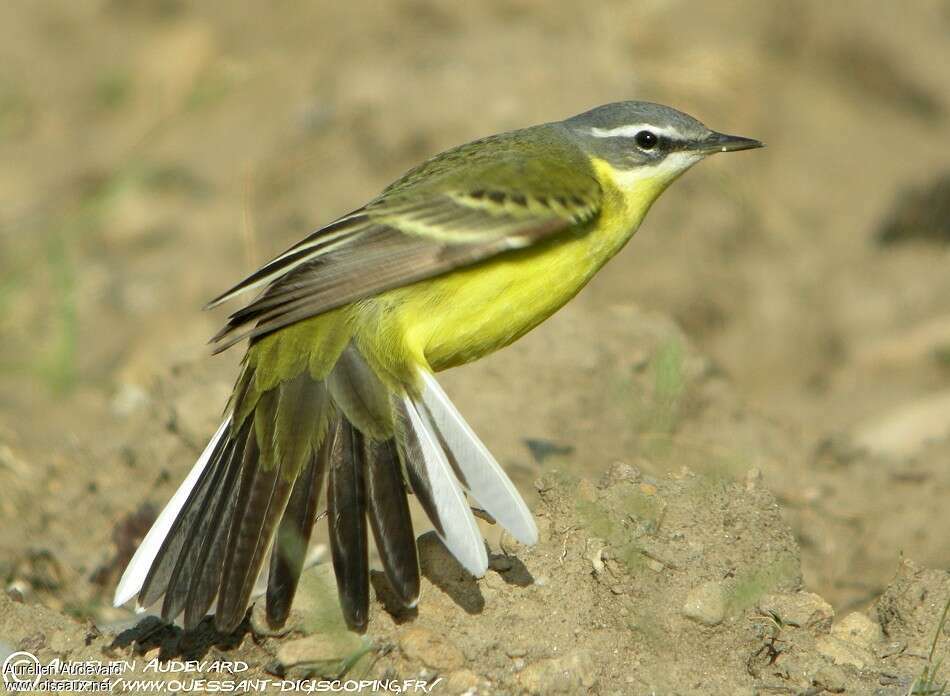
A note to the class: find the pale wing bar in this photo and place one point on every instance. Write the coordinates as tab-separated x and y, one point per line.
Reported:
404	247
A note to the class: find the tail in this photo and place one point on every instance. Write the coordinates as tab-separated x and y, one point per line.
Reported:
254	495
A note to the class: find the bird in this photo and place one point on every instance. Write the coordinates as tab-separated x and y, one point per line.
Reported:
461	256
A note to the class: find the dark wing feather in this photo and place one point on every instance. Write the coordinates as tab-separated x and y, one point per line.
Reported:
281	264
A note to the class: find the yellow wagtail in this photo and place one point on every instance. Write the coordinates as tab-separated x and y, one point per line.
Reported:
461	256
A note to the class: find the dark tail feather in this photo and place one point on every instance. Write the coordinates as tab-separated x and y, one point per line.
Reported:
293	536
388	509
206	574
185	572
260	505
346	504
163	566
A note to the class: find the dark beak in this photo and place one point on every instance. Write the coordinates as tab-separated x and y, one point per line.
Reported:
720	142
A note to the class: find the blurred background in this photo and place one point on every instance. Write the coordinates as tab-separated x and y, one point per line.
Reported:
785	311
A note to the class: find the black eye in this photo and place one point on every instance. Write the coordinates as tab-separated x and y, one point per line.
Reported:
646	140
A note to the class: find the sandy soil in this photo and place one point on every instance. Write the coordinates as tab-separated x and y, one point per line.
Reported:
778	375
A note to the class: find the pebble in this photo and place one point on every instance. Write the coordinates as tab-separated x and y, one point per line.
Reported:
904	431
319	647
857	628
620	472
461	681
431	649
128	399
842	652
570	674
596	556
706	603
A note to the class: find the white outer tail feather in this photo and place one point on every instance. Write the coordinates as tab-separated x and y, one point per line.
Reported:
461	534
137	570
487	481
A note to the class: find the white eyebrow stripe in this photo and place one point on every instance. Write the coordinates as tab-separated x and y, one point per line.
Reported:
630	130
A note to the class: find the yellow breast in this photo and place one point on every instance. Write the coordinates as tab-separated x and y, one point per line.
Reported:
462	316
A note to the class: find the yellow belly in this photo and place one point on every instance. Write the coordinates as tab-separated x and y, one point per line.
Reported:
468	314
464	315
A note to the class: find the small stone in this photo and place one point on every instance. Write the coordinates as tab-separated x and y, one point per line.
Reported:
655	565
19	590
906	429
516	652
319	648
706	604
435	652
461	681
570	674
857	628
842	652
596	555
647	489
128	399
804	609
620	472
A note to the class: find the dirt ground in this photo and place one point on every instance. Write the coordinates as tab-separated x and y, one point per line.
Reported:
737	438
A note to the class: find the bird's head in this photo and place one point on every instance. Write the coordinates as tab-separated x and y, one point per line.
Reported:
642	141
